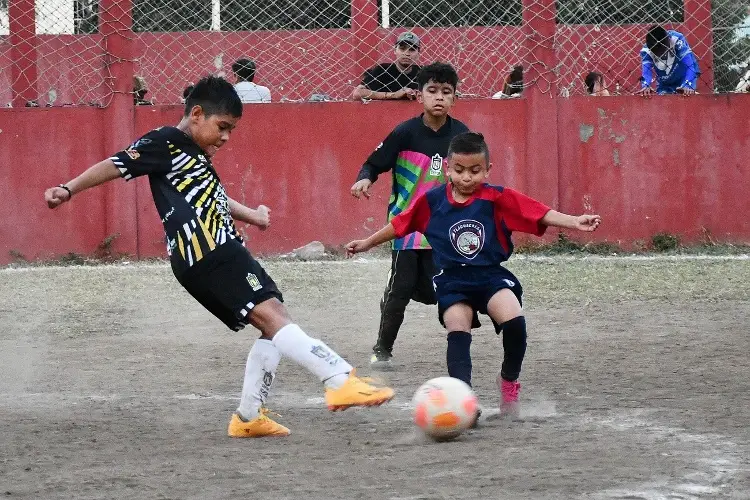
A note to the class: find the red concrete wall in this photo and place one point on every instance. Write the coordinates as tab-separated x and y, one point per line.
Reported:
301	160
40	148
650	165
668	164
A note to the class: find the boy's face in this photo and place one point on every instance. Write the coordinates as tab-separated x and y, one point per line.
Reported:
437	98
406	55
467	171
660	50
210	132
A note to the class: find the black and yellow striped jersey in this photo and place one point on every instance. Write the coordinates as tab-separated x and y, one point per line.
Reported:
188	194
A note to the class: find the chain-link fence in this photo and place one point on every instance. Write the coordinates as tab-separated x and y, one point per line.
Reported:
606	35
323	48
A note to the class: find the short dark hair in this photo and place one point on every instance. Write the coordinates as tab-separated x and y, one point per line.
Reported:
186	91
469	143
439	73
244	69
591	79
657	37
216	96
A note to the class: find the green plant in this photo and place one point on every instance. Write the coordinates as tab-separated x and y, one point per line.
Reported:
665	242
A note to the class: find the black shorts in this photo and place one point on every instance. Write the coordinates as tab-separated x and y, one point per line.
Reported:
229	282
411	275
474	286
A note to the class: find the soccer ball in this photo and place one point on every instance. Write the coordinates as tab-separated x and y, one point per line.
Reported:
444	407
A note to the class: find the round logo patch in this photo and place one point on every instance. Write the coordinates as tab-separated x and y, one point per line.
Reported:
467	237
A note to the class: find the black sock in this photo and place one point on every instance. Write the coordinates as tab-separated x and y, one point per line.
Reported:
459	356
514	345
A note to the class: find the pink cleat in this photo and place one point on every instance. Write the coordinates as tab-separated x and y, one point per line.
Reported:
509	392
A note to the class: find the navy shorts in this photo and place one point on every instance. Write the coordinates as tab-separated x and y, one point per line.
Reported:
229	282
474	286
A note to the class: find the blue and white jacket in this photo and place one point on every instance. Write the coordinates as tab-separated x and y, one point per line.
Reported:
678	67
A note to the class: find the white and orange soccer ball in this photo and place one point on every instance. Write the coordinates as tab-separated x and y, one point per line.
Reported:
444	407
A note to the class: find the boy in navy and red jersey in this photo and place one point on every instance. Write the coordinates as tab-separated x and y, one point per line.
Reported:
469	225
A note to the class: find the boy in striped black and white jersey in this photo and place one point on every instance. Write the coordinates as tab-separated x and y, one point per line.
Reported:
210	260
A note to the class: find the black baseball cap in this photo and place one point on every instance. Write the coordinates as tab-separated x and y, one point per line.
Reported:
408	38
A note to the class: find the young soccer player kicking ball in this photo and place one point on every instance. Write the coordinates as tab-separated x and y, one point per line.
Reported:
469	225
415	152
209	258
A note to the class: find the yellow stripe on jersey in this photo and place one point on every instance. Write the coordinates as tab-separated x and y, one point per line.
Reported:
196	247
209	238
181	246
182	185
211	209
189	164
212	227
208	190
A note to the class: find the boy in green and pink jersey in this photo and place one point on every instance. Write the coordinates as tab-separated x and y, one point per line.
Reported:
415	153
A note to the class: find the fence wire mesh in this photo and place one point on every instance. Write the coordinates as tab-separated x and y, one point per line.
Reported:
322	49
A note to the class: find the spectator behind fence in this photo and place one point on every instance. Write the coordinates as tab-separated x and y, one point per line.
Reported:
595	84
512	85
744	84
668	54
396	80
249	92
140	89
186	93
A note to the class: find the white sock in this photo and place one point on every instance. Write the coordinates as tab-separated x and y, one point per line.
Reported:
260	371
313	354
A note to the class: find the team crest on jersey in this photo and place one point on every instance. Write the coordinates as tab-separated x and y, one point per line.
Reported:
133	153
254	282
467	237
436	165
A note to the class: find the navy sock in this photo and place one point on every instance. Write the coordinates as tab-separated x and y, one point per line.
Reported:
459	356
514	345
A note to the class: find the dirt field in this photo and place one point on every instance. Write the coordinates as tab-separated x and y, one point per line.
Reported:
636	386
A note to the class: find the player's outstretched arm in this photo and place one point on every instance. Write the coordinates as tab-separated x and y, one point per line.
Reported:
100	173
260	217
387	233
584	222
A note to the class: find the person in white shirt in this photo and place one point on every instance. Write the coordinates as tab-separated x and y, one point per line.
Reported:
249	92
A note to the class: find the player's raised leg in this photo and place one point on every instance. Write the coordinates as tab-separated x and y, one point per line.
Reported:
343	388
505	310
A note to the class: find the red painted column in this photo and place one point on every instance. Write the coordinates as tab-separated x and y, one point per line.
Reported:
698	28
22	25
121	207
365	39
539	24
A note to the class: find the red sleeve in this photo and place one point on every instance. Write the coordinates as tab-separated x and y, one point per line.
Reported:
521	213
415	218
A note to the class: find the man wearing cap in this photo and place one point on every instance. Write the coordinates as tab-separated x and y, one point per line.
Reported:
396	80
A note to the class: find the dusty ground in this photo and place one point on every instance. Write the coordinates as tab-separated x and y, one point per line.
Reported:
636	386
